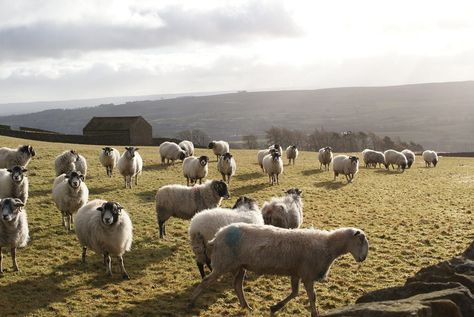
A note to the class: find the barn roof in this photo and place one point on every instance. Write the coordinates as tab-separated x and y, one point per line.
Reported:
113	123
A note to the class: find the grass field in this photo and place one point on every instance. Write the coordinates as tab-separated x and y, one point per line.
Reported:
412	219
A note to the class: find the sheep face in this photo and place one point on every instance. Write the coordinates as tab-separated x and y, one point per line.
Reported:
10	208
74	153
227	157
17	173
182	155
276	156
409	164
403	166
328	149
212	144
74	179
131	151
354	160
221	189
294	191
359	246
247	202
28	149
107	151
110	212
435	162
294	147
203	160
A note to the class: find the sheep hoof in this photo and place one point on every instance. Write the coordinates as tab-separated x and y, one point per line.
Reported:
125	276
16	269
191	305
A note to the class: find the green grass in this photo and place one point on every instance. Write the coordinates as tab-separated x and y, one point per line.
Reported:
412	220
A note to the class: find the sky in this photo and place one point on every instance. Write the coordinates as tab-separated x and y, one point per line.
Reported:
61	49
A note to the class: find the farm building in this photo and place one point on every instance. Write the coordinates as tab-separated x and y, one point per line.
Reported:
127	130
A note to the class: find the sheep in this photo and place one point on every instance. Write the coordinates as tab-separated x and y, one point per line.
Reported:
195	168
187	146
372	158
286	211
226	166
261	154
205	224
325	157
81	165
410	157
109	158
291	153
302	254
106	228
69	194
171	151
184	202
273	166
219	148
276	147
20	156
130	165
346	165
14	183
393	157
13	228
430	157
65	162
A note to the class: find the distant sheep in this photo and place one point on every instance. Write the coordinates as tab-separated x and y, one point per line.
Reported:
195	168
130	165
286	211
14	231
65	162
273	166
184	202
81	165
302	254
227	167
276	147
393	157
291	154
188	147
372	158
430	157
345	165
20	156
171	152
219	148
106	228
410	157
14	183
109	158
261	154
325	157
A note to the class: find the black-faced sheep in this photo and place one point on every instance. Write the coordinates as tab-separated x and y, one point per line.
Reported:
219	148
109	159
273	166
292	154
195	168
227	167
325	157
170	152
14	183
130	165
20	156
345	165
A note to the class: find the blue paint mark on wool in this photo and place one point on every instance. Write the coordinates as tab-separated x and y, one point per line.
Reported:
232	238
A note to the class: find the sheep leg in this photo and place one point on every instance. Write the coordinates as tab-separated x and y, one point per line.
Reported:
161	223
1	261
125	275
205	283
108	264
278	181
136	179
69	223
239	289
187	181
15	264
295	285
308	285
125	181
201	269
84	250
228	179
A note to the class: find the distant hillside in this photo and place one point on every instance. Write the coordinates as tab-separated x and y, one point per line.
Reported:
437	115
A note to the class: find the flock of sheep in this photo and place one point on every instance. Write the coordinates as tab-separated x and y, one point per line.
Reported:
233	240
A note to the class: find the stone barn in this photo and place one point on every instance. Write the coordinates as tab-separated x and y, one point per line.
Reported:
120	130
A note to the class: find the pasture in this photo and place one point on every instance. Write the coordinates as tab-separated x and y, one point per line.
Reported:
412	219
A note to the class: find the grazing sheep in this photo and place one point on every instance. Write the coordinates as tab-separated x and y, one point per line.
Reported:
286	211
325	157
410	157
187	146
13	228
130	165
20	156
205	224
291	154
109	158
69	194
393	157
195	168
226	166
372	158
302	254
276	147
273	166
184	202
261	154
14	183
219	148
345	165
106	228
65	162
171	151
81	165
430	157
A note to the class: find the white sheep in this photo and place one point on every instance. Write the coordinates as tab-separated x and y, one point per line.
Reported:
393	157
171	151
184	202
325	157
276	147
345	165
261	154
292	154
205	224
14	183
65	162
105	227
273	166
109	158
195	168
372	158
227	167
302	254
20	156
130	165
69	194
286	211
219	148
81	165
187	146
410	157
13	228
430	157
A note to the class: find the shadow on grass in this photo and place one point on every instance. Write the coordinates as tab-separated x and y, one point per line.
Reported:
248	189
331	184
156	167
40	192
388	172
312	172
147	196
248	176
101	190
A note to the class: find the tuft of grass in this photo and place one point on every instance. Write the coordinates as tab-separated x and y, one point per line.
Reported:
412	219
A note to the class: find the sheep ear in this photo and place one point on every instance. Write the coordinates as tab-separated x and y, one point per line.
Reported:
357	233
9	170
81	177
100	209
66	176
136	149
19	203
24	170
103	149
